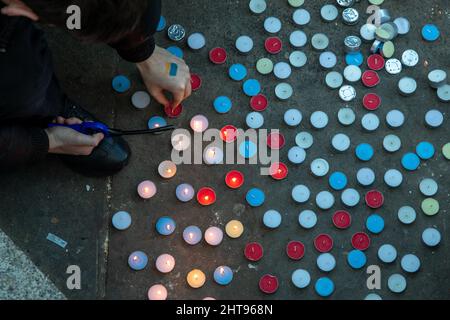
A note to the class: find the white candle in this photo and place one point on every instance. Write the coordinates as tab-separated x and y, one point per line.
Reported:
146	189
165	263
181	142
199	123
213	236
272	25
167	169
244	44
196	41
213	155
157	292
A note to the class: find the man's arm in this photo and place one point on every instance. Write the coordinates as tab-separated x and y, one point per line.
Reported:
21	145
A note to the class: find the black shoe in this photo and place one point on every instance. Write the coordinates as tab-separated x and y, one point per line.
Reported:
111	156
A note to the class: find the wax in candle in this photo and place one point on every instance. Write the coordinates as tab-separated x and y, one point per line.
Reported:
192	235
146	189
167	169
137	260
213	236
157	292
185	192
223	275
165	263
165	226
234	229
196	278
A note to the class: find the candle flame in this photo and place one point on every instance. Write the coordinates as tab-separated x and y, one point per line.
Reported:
146	190
234	179
222	271
156	125
191	235
168	227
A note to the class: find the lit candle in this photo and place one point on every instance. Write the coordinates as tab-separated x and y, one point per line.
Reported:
181	142
206	196
165	226
167	169
223	275
165	263
213	236
234	179
137	260
234	229
213	155
185	192
199	123
157	292
278	171
229	133
156	122
192	235
196	278
146	189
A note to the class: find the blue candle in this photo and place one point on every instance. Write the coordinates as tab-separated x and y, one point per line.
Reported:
176	51
410	161
364	152
356	259
354	58
192	235
248	149
375	224
252	87
156	122
222	104
121	84
338	181
430	32
185	192
137	260
237	72
324	287
272	219
121	220
425	150
255	197
165	226
223	275
161	24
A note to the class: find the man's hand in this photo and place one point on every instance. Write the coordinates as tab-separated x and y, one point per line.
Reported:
70	142
156	74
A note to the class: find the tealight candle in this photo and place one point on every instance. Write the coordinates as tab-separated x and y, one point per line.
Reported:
157	292
301	278
387	253
276	141
304	140
365	177
165	226
161	24
196	41
237	72
251	87
295	250
434	118
244	44
137	260
326	262
282	70
156	122
397	283
350	197
146	189
121	220
185	192
218	56
213	236
229	133
192	235
356	259
395	119
165	263
273	45
341	142
392	143
307	219
253	252
255	197
301	17
223	275
199	123
181	142
234	179
140	100
406	215
259	102
293	117
196	279
284	91
298	59
121	84
206	196
196	81
272	25
410	263
301	193
297	155
338	181
173	113
248	149
346	116
234	229
213	155
272	219
268	284
393	178
278	171
319	119
325	200
255	120
360	241
334	80
298	38
264	66
320	167
167	169
431	237
257	6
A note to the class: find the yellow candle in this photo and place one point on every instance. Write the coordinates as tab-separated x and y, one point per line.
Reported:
196	278
234	229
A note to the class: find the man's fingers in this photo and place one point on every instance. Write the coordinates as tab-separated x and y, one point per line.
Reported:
89	141
177	98
160	97
60	120
73	121
188	90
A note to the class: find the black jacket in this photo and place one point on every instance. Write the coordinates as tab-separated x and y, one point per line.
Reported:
29	93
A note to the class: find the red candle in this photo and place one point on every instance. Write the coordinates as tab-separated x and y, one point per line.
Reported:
370	78
268	284
206	196
276	141
229	133
360	241
295	250
374	199
279	171
173	113
259	102
375	62
218	56
342	219
196	82
371	101
273	45
254	251
323	243
234	179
